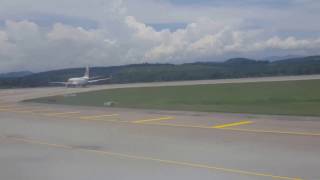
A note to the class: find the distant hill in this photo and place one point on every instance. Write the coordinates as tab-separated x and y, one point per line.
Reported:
232	68
15	74
277	58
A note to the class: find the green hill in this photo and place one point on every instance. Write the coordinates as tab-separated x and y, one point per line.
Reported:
233	68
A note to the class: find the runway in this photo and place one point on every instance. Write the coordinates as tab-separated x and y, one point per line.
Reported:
16	95
39	141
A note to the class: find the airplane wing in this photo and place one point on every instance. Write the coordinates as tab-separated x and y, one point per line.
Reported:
64	83
95	77
97	80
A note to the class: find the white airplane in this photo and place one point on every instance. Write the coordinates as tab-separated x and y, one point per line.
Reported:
81	81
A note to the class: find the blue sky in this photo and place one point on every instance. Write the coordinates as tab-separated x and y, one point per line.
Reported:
115	32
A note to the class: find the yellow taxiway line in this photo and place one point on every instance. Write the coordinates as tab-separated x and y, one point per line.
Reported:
98	116
237	129
6	106
273	132
227	127
22	109
158	160
42	111
62	113
16	110
153	120
232	124
176	125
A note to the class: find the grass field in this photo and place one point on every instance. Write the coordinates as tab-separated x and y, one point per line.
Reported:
283	98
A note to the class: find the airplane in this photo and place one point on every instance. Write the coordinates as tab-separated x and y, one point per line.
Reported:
81	81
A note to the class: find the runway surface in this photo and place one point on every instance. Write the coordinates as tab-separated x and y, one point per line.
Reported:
39	141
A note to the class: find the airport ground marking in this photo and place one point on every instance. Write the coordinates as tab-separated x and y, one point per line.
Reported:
4	109
16	110
42	111
33	141
177	125
21	110
273	132
24	111
239	129
190	164
62	113
153	119
231	124
190	126
146	158
45	112
6	106
232	129
210	127
106	120
97	116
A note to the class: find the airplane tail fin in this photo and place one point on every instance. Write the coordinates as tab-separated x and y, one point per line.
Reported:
86	74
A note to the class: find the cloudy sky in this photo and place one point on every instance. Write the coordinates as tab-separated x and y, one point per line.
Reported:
40	35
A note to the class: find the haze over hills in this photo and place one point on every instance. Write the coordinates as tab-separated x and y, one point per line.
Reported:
15	74
232	68
277	58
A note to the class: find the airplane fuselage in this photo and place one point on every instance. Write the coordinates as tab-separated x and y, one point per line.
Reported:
79	81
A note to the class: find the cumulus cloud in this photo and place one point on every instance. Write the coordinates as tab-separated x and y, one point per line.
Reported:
195	41
289	43
122	38
5	46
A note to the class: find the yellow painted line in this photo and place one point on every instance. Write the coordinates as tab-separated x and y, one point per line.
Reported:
21	110
16	109
98	116
6	106
152	120
232	124
4	109
190	164
210	127
190	126
35	110
38	110
42	111
32	141
30	111
163	161
234	129
273	132
106	120
177	125
61	113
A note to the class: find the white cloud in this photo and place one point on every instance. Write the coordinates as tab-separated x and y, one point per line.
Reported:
4	44
144	32
65	32
290	43
212	33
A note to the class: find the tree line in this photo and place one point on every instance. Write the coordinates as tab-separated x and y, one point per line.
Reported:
232	68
